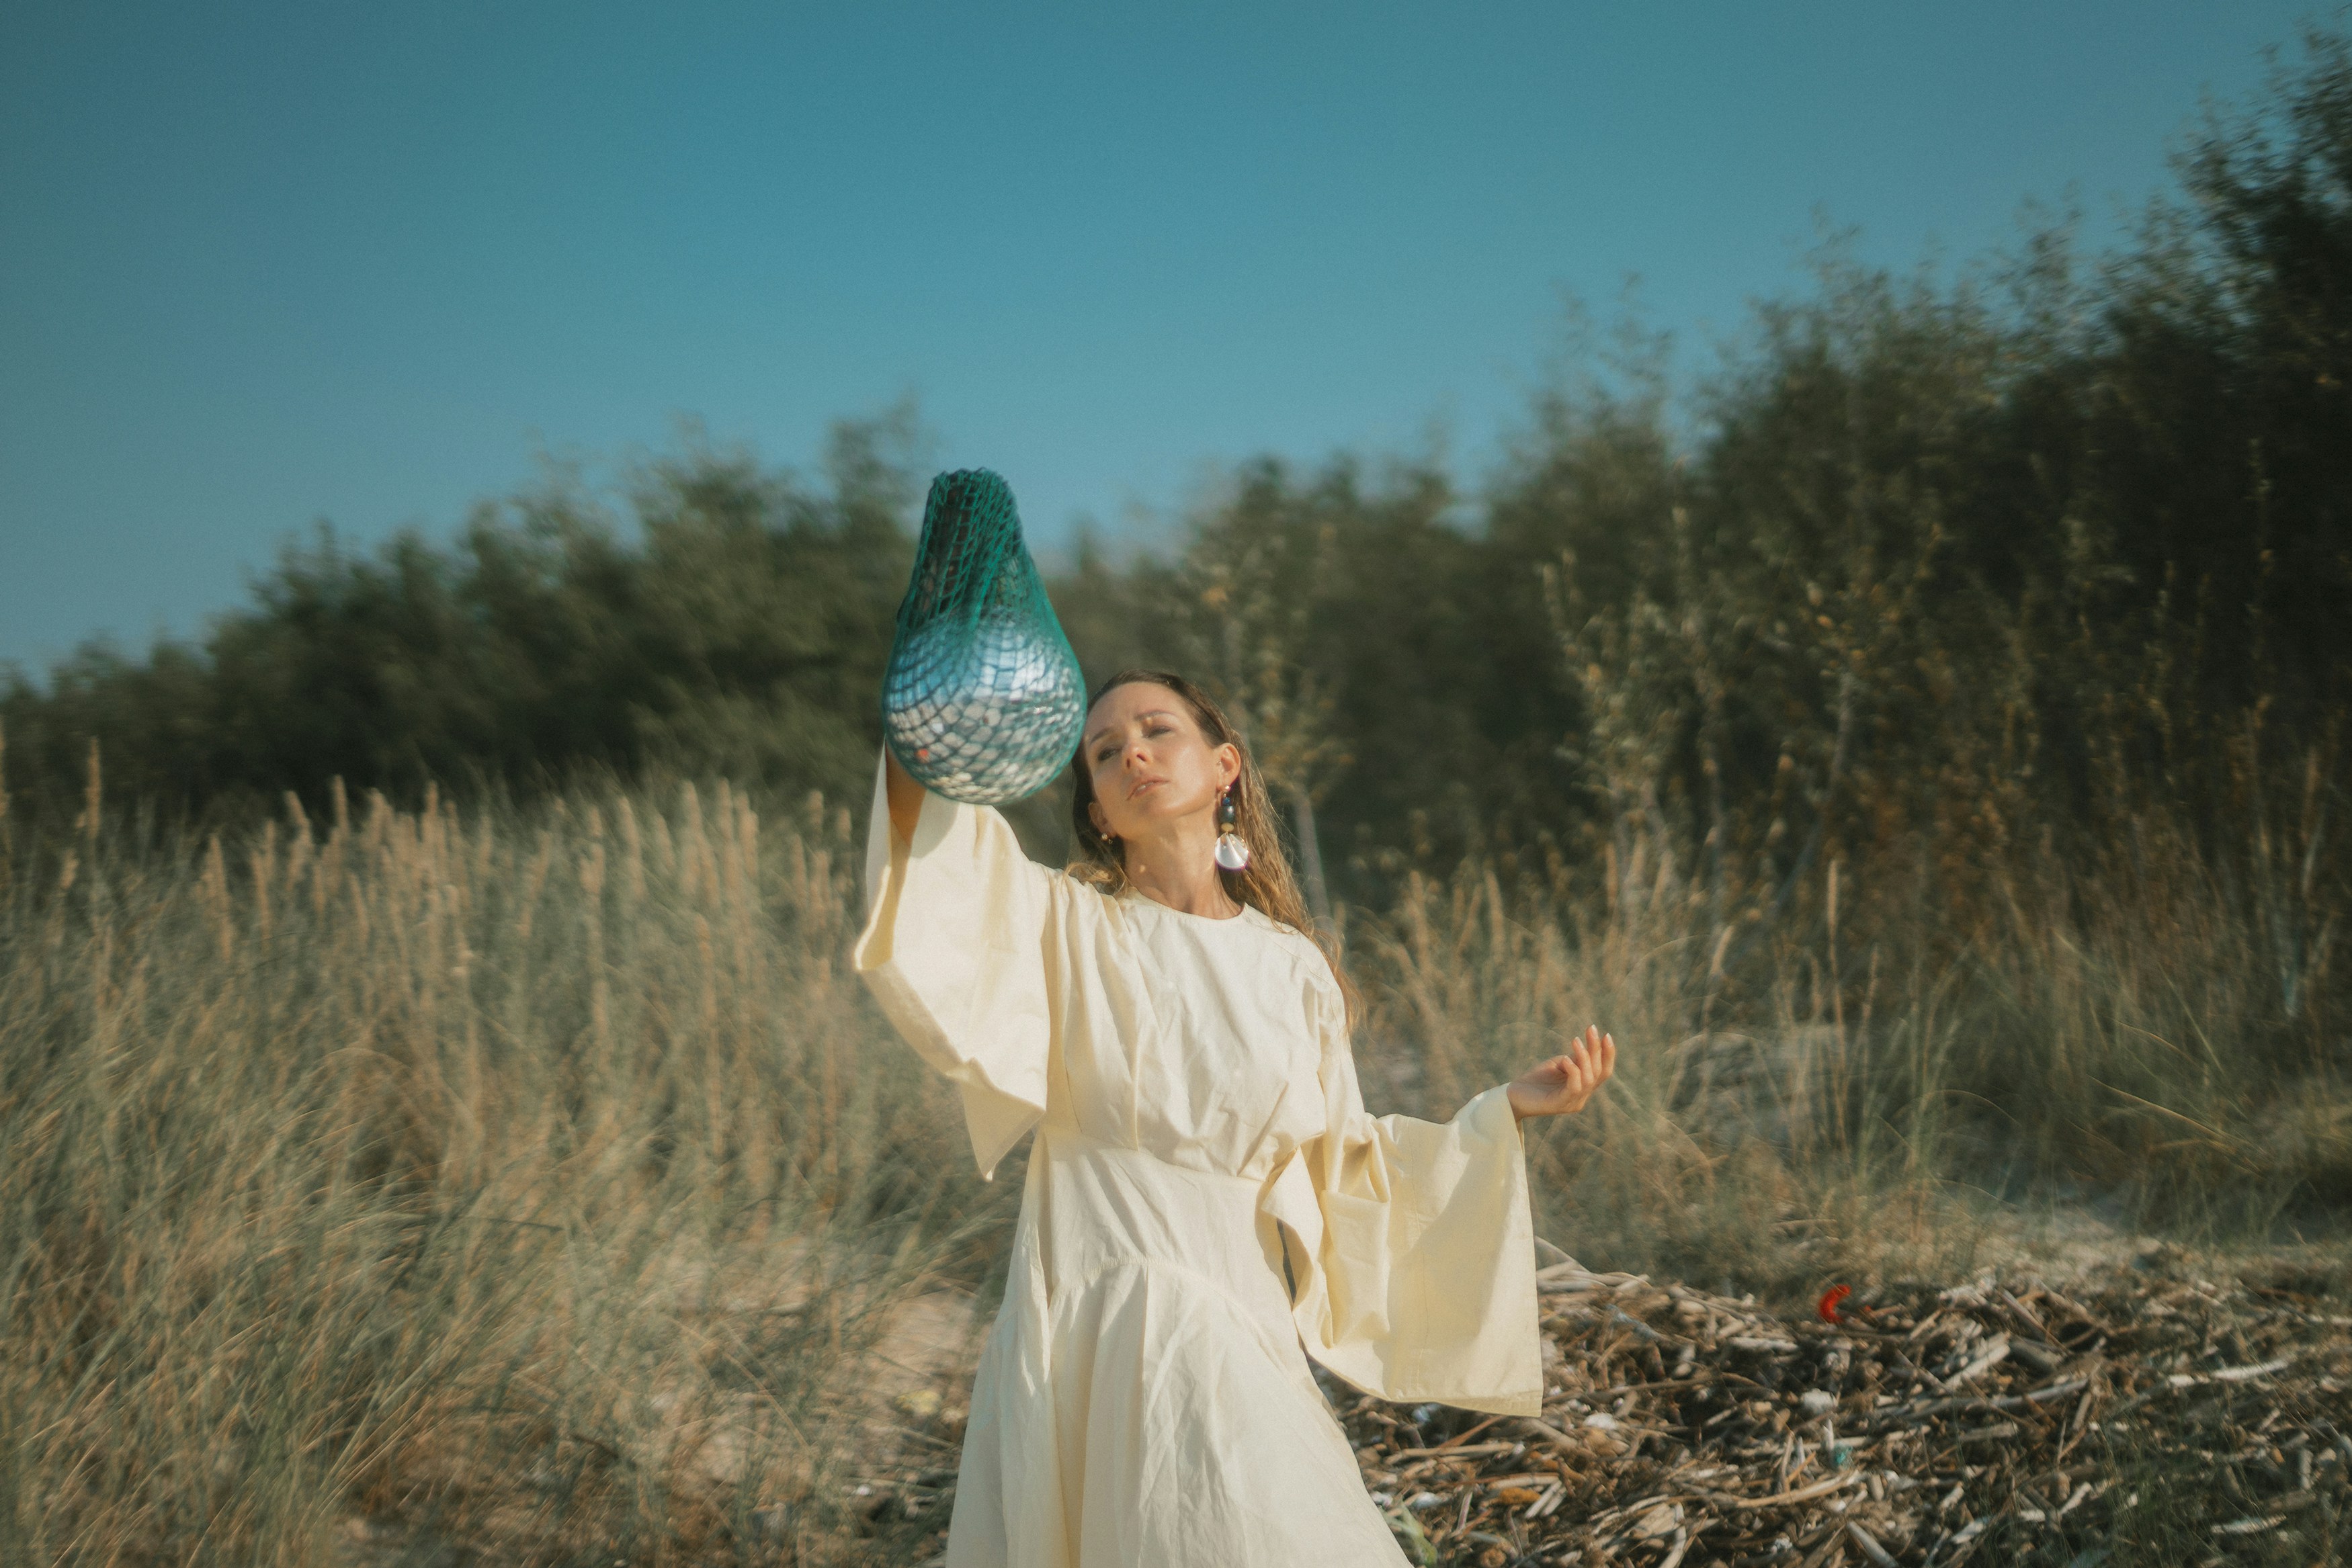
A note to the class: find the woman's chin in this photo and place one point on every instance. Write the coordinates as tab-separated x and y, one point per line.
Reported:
1151	814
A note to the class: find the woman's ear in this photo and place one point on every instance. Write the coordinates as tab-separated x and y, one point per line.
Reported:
1101	822
1229	764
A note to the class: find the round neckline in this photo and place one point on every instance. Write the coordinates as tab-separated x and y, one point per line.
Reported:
1139	896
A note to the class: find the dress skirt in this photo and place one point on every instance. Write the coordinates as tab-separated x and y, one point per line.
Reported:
1142	1398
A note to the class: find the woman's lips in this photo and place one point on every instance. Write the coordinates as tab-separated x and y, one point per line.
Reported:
1140	785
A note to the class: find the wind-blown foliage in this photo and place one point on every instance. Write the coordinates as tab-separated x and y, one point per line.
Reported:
2066	521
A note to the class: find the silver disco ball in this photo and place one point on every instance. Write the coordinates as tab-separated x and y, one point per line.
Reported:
985	714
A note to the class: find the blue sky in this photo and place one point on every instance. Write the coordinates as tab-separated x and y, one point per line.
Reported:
266	264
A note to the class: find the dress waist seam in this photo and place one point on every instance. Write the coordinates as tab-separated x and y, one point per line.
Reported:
1094	1275
1089	1143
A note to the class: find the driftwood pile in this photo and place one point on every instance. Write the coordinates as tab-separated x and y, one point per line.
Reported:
2151	1415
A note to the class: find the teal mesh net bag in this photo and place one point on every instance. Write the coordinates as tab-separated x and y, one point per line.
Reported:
983	701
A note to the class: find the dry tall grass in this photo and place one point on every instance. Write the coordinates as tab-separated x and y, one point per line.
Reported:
539	1180
534	1178
2148	1030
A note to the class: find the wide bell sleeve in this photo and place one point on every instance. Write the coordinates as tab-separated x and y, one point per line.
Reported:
1417	1245
953	951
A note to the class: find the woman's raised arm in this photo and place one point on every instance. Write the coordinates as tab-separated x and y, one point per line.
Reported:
955	949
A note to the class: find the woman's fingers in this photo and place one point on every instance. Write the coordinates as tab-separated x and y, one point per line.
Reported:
1564	1083
1593	1057
1599	1049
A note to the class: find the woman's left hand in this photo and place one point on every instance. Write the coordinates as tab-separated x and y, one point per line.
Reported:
1564	1083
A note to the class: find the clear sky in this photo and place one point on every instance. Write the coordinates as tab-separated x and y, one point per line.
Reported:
264	265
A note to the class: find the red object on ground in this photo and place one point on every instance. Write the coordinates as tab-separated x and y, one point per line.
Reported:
1829	1304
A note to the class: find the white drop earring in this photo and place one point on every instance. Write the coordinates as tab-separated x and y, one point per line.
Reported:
1232	849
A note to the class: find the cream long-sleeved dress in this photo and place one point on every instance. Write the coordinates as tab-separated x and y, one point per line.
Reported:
1141	1401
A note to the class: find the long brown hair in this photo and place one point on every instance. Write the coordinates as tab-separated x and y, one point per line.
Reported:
1265	884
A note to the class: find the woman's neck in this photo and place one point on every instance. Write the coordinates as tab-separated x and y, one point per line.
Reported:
1180	870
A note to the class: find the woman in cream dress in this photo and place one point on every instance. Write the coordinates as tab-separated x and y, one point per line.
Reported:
1205	1194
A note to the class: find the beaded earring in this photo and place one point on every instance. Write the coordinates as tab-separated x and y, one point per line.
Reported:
1232	849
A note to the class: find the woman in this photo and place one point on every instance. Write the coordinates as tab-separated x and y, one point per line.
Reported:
1206	1193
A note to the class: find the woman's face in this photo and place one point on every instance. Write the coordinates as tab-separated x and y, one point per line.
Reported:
1148	761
